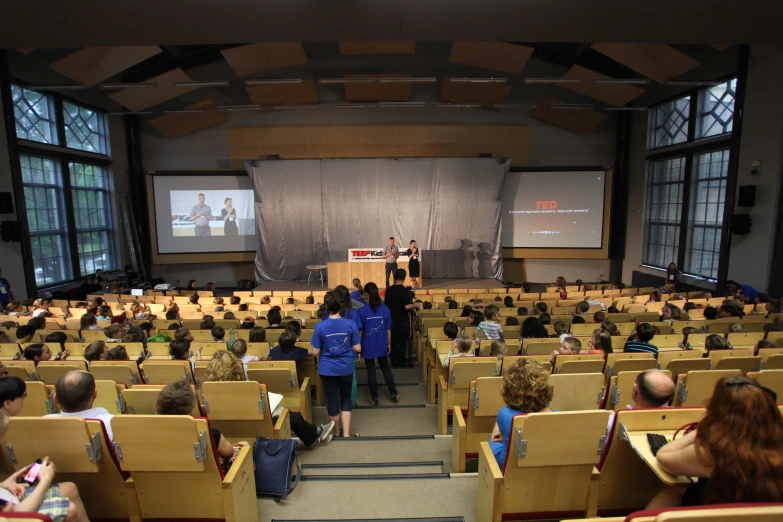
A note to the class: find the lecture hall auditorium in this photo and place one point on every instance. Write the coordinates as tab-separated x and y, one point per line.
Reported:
552	225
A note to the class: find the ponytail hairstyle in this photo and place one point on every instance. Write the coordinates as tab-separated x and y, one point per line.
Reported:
344	297
357	284
561	281
373	296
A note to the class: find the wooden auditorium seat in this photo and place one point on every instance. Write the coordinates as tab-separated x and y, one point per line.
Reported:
577	391
579	363
240	411
617	362
164	372
141	399
772	379
696	387
110	397
453	393
484	401
22	368
51	371
543	346
281	377
678	362
121	372
80	449
509	360
187	483
39	401
742	359
620	389
547	471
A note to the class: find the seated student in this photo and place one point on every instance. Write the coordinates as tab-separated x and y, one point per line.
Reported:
582	307
218	301
655	296
4	339
243	308
294	327
490	326
568	346
105	313
320	314
671	313
257	334
498	349
56	340
37	352
427	306
453	305
609	327
193	299
508	302
498	299
25	334
235	300
15	308
578	319
687	307
613	310
141	313
560	283
75	392
462	347
522	311
113	333
561	330
266	300
248	323
711	313
286	350
88	322
773	306
601	343
450	330
526	389
545	319
239	350
764	343
172	315
274	319
731	308
179	349
716	342
207	323
117	353
599	317
13	392
736	328
541	307
218	334
476	317
229	315
95	351
533	328
640	341
735	450
309	300
177	398
41	307
512	321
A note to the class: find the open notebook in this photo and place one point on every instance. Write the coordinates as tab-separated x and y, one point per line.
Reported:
274	403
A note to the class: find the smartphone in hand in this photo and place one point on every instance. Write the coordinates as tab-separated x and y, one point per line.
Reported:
31	477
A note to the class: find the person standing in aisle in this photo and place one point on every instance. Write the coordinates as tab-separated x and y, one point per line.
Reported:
390	254
413	264
376	342
400	303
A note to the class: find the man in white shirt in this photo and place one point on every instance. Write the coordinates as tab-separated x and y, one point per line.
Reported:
652	389
201	214
75	393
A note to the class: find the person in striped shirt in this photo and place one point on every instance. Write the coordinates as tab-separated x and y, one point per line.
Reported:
640	343
490	326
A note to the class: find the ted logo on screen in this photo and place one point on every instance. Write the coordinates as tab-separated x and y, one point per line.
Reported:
366	253
546	205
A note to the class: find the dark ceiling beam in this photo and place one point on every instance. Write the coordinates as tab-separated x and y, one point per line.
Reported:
582	54
184	57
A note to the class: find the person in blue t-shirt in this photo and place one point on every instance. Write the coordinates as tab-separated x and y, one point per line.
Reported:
376	342
336	341
359	293
526	389
347	312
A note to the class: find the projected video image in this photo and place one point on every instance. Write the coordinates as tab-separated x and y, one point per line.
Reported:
205	213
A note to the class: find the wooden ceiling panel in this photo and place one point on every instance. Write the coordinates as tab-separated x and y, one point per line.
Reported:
378	91
579	121
483	93
615	94
659	62
284	94
260	57
500	56
363	47
140	99
92	65
180	124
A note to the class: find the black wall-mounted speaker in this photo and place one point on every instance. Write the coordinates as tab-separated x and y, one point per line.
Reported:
11	231
6	203
747	196
740	224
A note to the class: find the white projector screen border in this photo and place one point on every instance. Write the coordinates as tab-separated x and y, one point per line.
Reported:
570	253
170	259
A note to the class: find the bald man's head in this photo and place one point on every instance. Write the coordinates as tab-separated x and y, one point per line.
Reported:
653	389
75	391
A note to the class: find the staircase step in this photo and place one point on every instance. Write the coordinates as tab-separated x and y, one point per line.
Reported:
374	470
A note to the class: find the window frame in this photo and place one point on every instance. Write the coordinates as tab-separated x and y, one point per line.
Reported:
692	147
63	156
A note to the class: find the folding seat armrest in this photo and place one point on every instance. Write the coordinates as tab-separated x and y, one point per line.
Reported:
305	402
282	429
593	492
442	382
458	442
305	387
489	500
240	486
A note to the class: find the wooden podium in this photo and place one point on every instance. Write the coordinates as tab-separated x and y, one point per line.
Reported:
344	272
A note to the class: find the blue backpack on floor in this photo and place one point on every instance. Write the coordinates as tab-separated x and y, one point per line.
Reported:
276	464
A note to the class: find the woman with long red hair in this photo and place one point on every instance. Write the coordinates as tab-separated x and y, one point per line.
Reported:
736	450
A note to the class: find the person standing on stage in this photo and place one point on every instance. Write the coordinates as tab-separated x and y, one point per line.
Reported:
413	264
390	254
201	214
400	303
229	217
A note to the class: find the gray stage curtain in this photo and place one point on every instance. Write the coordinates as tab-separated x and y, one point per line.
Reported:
313	211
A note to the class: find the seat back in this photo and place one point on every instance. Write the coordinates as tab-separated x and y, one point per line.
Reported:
543	346
164	372
239	410
744	339
775	362
584	328
510	360
766	353
629	365
673	340
9	350
121	372
723	513
684	365
109	397
694	388
542	452
772	379
485	401
715	356
621	465
141	399
621	389
50	371
197	471
743	364
39	401
596	360
577	391
23	369
279	377
82	454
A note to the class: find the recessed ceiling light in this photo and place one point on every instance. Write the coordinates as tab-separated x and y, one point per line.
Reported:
552	80
202	84
273	81
620	81
110	86
478	80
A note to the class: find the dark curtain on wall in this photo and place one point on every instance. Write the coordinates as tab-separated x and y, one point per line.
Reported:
312	211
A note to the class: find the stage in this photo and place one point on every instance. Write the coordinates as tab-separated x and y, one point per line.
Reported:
429	284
